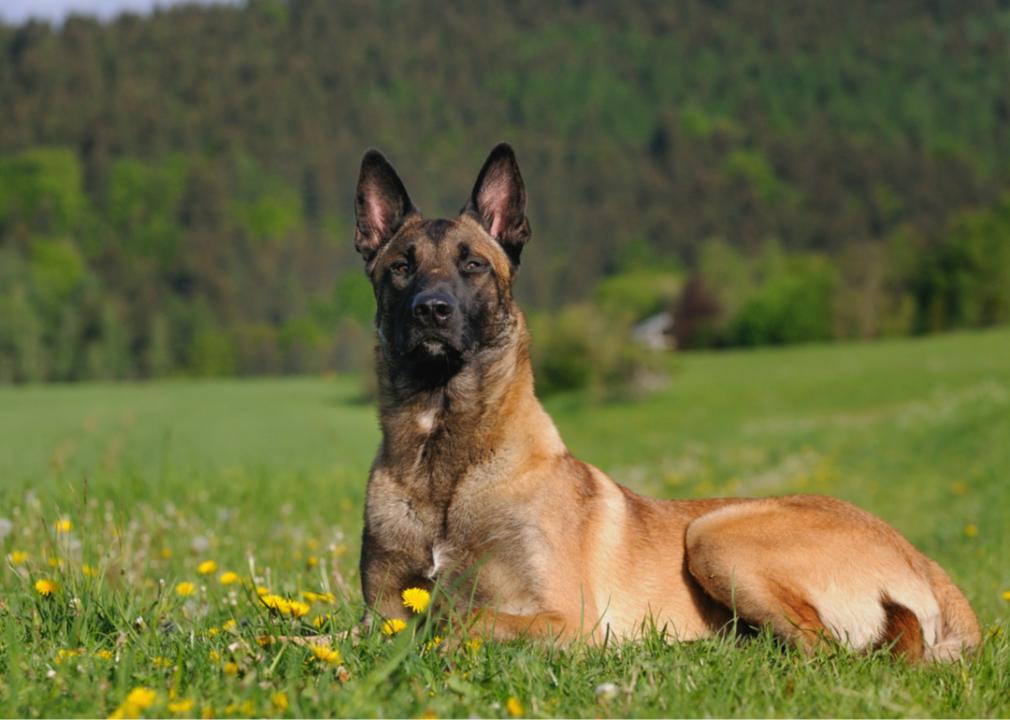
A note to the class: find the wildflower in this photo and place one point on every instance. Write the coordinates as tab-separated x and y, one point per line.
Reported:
312	561
89	571
160	662
280	701
319	620
185	589
1006	595
45	588
230	669
326	597
229	625
971	530
391	627
212	632
474	644
18	557
260	590
327	655
298	608
180	707
54	561
103	654
214	655
276	603
63	654
63	525
207	567
514	707
166	553
433	643
229	578
416	599
139	699
606	691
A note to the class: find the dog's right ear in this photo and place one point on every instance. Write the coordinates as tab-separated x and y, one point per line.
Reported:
381	205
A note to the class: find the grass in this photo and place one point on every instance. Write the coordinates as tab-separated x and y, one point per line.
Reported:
266	479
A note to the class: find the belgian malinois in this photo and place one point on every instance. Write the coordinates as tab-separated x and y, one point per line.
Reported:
473	481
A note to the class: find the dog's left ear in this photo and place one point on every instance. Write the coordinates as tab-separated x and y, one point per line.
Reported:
498	201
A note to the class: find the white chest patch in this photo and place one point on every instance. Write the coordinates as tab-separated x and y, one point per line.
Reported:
439	558
426	420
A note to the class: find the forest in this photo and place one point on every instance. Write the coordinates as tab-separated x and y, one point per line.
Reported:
176	189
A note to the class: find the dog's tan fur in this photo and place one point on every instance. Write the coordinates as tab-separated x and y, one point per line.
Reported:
473	488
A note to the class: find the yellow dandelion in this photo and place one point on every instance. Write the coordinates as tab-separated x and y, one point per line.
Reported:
971	530
276	603
297	608
280	701
207	567
212	633
327	655
230	578
180	707
139	699
433	643
54	561
185	589
319	620
391	627
64	654
45	587
474	644
416	599
312	561
166	553
1006	595
260	590
103	654
63	525
514	707
89	571
214	655
230	669
207	712
229	625
18	557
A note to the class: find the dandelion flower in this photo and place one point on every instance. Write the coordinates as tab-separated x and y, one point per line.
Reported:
971	530
280	701
207	567
180	707
185	589
297	608
327	655
214	655
139	699
416	599
166	553
260	590
103	654
89	571
45	587
63	525
18	557
474	644
276	603
230	669
391	627
1006	595
229	578
514	707
312	561
229	625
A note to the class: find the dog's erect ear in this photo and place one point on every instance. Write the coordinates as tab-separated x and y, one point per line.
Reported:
381	205
498	201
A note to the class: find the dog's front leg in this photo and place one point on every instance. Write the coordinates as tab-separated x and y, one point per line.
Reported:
385	574
496	625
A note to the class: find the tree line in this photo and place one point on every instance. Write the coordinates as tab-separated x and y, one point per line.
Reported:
175	189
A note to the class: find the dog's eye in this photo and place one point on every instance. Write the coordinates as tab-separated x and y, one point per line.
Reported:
400	267
474	265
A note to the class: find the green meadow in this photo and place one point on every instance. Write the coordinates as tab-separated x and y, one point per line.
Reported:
138	520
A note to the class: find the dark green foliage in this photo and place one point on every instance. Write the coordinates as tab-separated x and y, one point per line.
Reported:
184	180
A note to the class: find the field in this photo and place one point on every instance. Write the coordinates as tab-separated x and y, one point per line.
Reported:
154	511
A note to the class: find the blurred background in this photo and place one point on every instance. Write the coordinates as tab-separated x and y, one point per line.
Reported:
176	181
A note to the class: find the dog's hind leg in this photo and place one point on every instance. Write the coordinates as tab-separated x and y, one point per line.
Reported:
816	569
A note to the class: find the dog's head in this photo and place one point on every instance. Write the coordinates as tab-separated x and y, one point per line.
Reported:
443	288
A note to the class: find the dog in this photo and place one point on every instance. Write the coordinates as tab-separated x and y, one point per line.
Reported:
473	489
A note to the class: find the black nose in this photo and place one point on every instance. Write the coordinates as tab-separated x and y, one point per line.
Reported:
433	308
